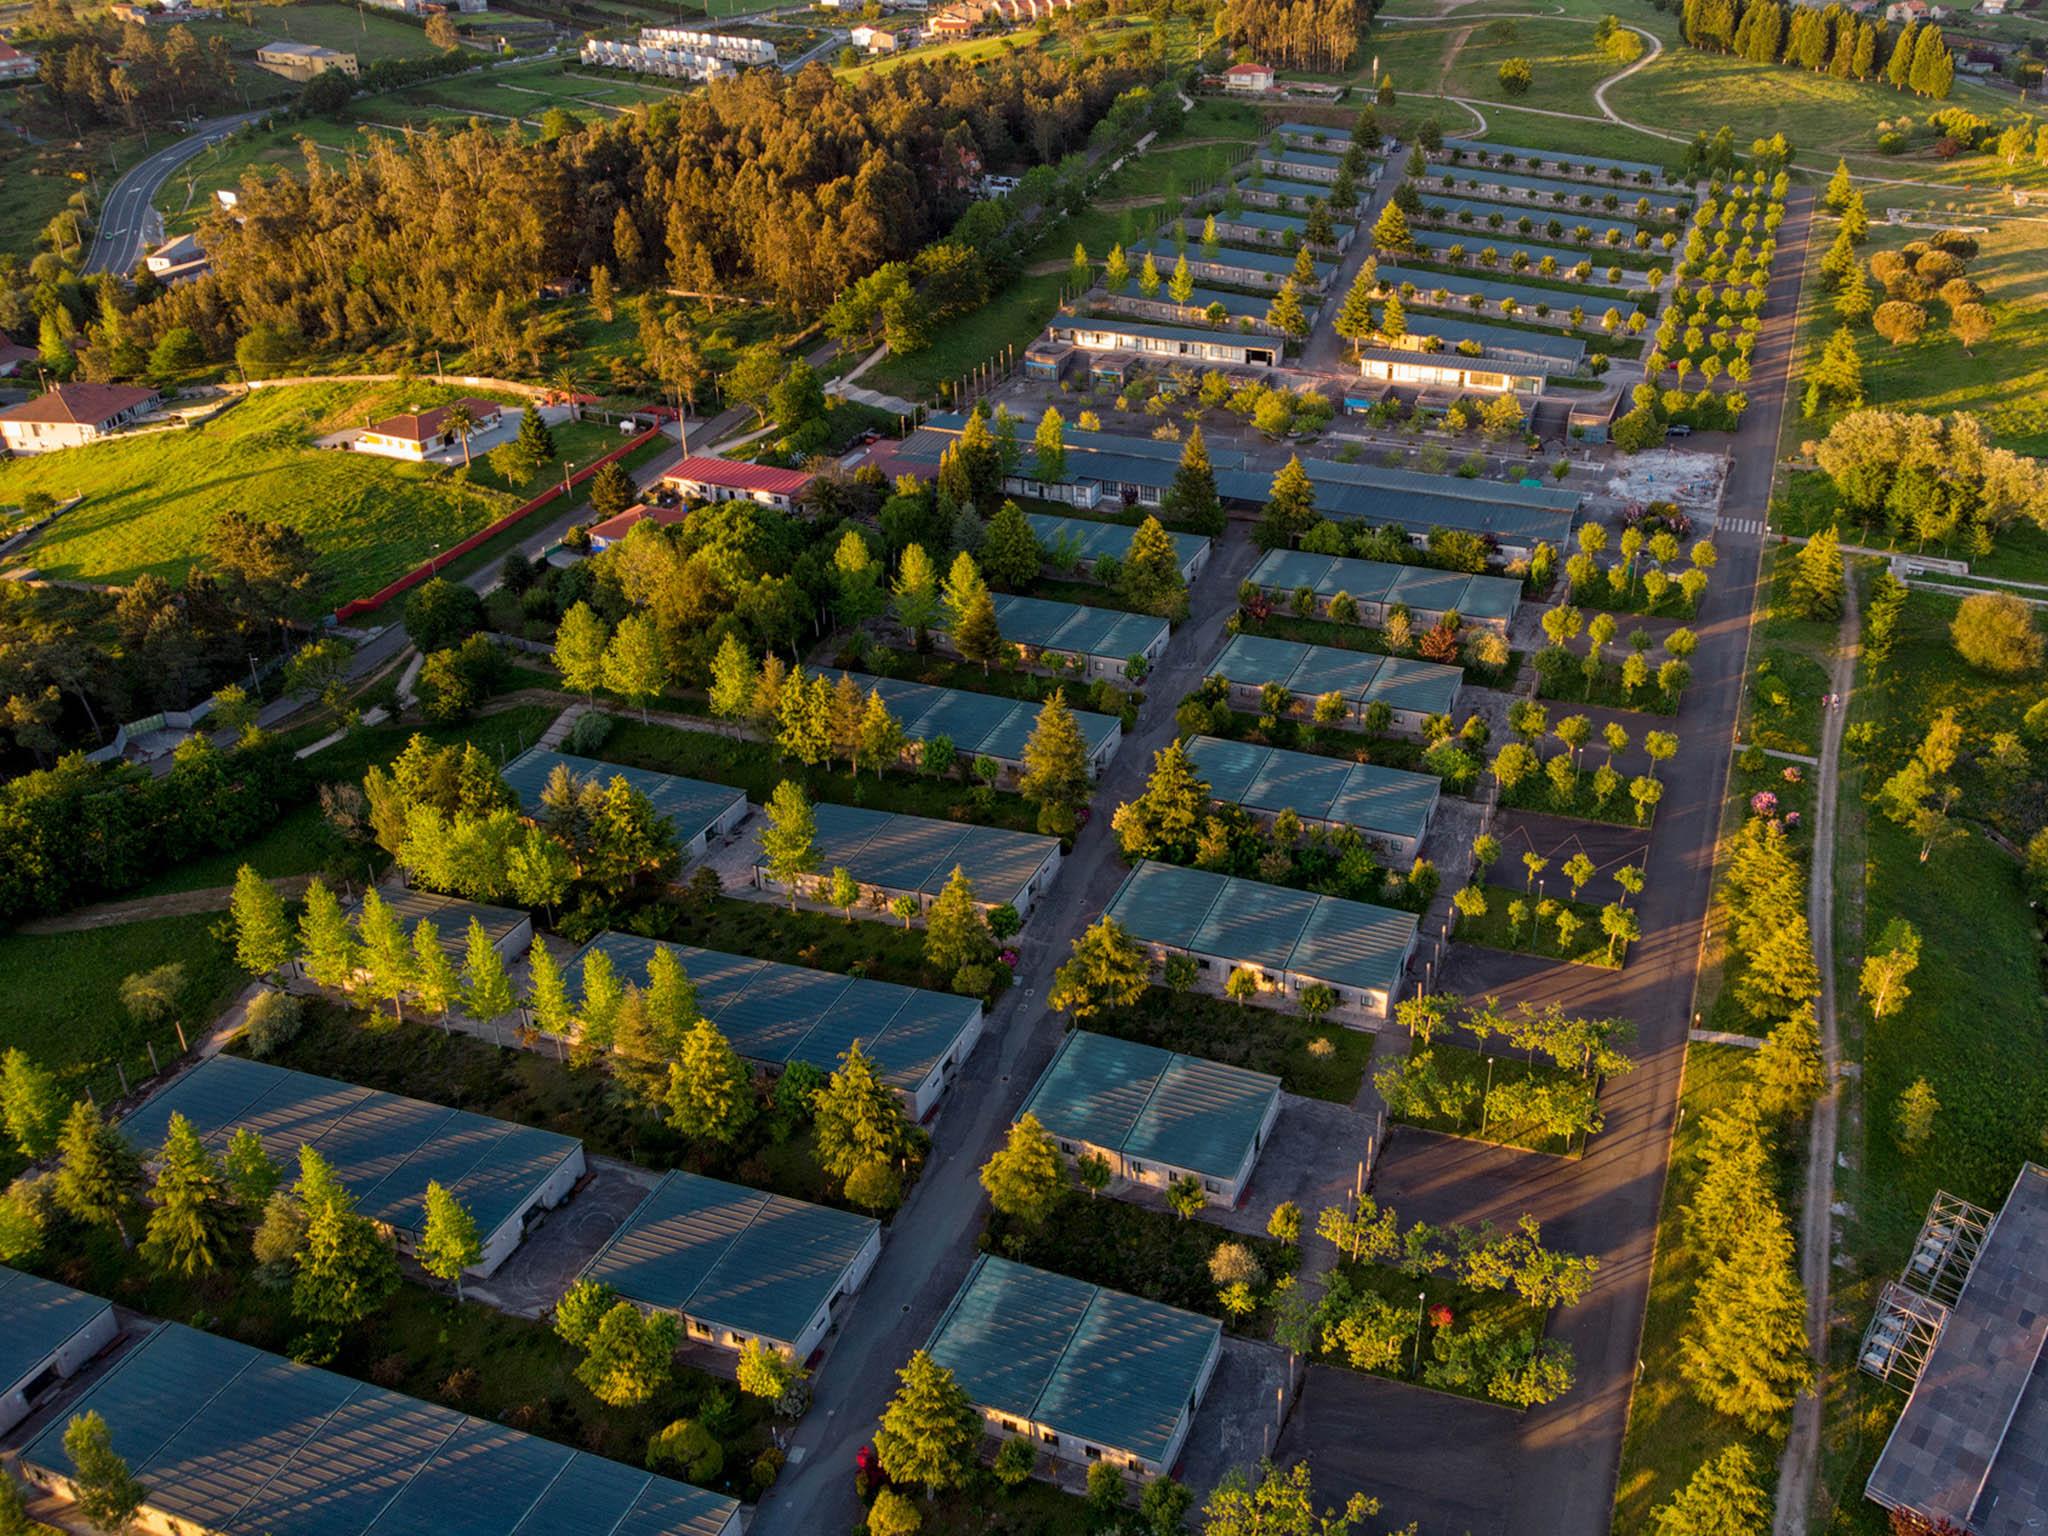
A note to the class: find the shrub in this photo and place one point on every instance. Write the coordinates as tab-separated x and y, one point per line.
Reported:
1994	632
688	1450
272	1020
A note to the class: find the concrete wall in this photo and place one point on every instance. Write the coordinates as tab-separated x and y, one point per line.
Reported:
925	1097
65	1360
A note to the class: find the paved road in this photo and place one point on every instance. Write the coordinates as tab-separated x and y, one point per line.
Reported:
128	217
1462	1467
931	1242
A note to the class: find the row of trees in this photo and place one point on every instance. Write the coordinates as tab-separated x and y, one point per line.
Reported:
1660	584
1833	40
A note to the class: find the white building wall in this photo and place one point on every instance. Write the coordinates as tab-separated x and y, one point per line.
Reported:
499	1246
65	1360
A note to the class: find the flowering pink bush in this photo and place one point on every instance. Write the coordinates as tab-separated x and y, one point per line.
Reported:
1009	958
1791	820
1763	803
1792	773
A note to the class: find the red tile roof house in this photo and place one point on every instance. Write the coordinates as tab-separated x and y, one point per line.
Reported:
614	528
1248	77
418	435
16	65
12	355
73	414
736	480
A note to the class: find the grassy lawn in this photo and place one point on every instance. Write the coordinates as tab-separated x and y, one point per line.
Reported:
1414	57
1472	1076
151	499
1139	1249
468	1356
757	768
2003	382
986	1508
1670	1433
1788	667
1259	1039
1012	318
371	37
60	994
1589	946
1563	61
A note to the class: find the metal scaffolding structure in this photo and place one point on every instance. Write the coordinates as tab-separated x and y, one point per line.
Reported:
1901	1336
1946	1248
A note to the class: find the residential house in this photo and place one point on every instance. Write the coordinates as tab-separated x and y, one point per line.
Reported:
13	355
696	479
16	65
72	414
1248	78
303	61
873	39
177	261
418	435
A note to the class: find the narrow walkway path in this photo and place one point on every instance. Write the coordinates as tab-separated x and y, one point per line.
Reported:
1796	1469
111	914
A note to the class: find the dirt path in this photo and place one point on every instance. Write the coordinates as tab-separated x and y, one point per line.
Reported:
111	914
1801	1460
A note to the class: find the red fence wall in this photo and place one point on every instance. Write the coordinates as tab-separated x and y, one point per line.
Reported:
419	573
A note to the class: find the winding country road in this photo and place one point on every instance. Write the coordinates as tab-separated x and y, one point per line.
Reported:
129	214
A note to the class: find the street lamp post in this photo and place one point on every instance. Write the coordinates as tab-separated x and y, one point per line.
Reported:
1421	1300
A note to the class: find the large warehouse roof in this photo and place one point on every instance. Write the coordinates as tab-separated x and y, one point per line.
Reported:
1971	1446
1310	671
975	722
692	805
1539	214
1153	1104
780	1013
1550	156
235	1440
1380	801
384	1148
1055	626
1566	351
751	1263
37	1318
1374	581
1326	938
1091	538
915	853
1419	502
1109	1368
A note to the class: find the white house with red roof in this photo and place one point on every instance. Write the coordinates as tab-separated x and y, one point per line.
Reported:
614	528
1248	77
696	479
74	414
16	65
419	435
13	355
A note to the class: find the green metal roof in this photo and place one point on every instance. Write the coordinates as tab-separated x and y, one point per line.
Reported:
37	1318
1049	625
1112	1369
1241	922
732	1257
693	806
1092	539
1362	677
450	916
384	1148
1152	1103
1381	801
915	853
780	1013
234	1440
975	722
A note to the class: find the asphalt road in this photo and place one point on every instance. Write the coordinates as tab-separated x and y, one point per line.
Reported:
127	218
1459	1467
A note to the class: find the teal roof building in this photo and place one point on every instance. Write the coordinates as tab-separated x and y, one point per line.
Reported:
1386	806
699	811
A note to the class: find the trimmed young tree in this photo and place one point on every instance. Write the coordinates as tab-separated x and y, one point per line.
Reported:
734	680
710	1090
636	665
766	1372
434	981
916	593
192	1215
263	934
580	641
789	841
931	1429
1055	776
449	1242
386	953
1106	970
486	989
327	943
1885	969
547	993
1025	1178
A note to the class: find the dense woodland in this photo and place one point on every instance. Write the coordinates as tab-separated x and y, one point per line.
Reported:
99	70
1833	40
1318	35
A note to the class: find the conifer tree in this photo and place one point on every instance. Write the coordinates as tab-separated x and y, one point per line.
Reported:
1107	969
710	1089
916	592
1116	270
1286	314
978	635
1790	1071
1724	1497
1010	555
251	1173
1744	1345
434	981
1025	1177
547	994
1839	187
263	934
386	954
1164	821
1290	506
486	989
1055	776
734	680
1149	579
345	1272
1354	320
192	1210
1181	286
789	841
1148	277
930	1430
955	932
97	1172
1192	497
1049	446
31	1104
326	941
603	996
1390	230
859	1119
1836	378
449	1243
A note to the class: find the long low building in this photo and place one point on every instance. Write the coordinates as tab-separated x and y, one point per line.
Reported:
1236	264
734	1264
983	724
1515	517
1281	192
1089	539
1476	213
1488	602
1413	689
47	1332
776	1014
1156	1116
1506	246
698	810
1300	165
1092	1374
384	1148
894	855
1548	192
715	480
1101	639
1448	370
1171	343
1288	940
509	930
1259	228
1314	136
1239	309
1538	159
1421	283
230	1440
1564	354
1386	806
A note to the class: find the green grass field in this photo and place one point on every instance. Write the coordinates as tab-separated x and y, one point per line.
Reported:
150	499
368	34
1788	669
1563	61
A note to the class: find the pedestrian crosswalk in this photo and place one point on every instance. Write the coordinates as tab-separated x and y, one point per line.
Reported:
1754	525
